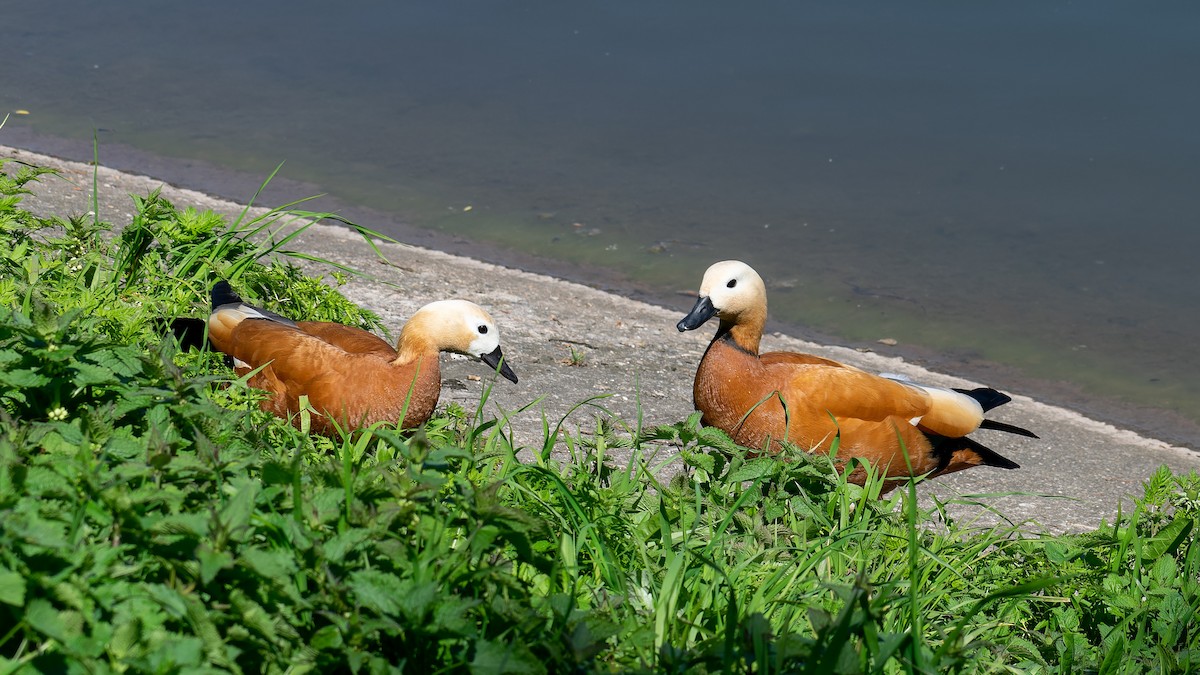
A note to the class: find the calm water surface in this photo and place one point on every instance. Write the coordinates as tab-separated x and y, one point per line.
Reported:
1010	186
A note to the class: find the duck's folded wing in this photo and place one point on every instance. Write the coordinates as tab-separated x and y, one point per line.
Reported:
848	393
295	357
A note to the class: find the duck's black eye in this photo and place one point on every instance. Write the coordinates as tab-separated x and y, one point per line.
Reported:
482	330
731	284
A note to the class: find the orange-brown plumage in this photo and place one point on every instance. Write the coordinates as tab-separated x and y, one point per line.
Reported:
761	399
351	377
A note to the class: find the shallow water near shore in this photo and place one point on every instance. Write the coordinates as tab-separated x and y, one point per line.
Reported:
1009	191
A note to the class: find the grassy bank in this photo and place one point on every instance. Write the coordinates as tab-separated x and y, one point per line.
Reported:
152	519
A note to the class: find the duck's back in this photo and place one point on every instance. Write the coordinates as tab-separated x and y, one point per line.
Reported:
349	339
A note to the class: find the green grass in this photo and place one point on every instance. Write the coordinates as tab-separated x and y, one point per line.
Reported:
152	519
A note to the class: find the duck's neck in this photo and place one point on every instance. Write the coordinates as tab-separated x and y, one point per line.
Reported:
412	346
744	330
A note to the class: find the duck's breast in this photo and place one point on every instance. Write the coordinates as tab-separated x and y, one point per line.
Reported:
734	393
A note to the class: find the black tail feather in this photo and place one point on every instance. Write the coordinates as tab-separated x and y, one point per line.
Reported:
988	398
191	333
990	456
944	449
1010	428
222	294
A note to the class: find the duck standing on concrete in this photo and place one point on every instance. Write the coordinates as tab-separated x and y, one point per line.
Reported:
762	399
351	377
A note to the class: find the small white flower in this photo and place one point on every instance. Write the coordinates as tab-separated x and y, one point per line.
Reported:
59	413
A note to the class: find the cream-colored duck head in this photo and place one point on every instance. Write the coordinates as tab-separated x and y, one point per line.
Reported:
731	290
457	326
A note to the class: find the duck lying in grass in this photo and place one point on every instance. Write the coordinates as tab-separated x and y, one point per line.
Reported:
351	377
761	399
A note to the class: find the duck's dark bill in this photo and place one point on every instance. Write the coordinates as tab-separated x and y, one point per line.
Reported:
701	312
496	359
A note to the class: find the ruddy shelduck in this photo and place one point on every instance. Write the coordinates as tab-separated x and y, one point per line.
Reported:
762	399
351	377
